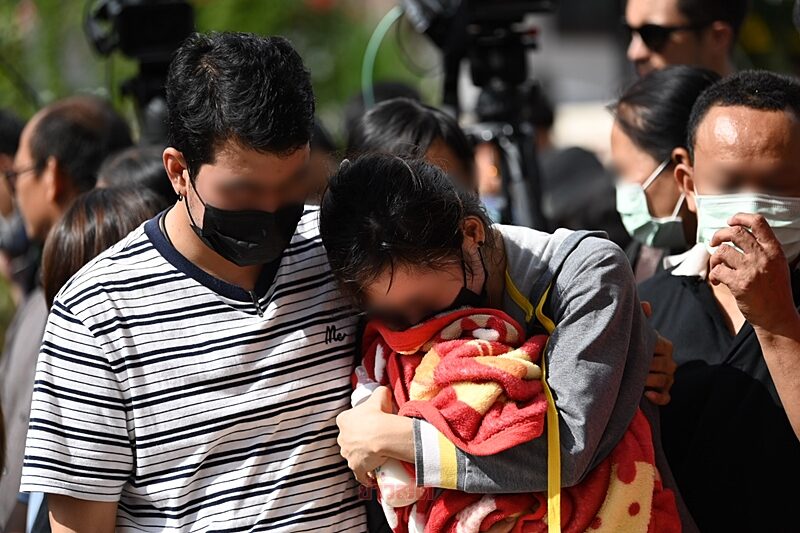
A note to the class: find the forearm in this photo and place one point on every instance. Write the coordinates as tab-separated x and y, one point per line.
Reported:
68	515
395	438
781	348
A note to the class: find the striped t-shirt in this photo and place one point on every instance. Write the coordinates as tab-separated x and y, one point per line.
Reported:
197	405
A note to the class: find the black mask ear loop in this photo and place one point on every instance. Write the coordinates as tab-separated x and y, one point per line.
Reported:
188	211
483	265
485	270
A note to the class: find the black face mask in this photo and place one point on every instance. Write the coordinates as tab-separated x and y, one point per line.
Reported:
467	297
247	238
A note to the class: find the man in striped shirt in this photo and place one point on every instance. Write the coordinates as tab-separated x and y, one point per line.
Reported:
190	376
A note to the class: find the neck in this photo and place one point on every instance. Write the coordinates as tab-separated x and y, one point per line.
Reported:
185	241
496	267
689	225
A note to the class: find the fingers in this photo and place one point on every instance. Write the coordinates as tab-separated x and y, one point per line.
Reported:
663	364
647	309
721	273
382	398
658	397
739	236
728	256
663	345
757	224
362	477
658	382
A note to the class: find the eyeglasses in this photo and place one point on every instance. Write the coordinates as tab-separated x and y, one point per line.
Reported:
655	37
12	175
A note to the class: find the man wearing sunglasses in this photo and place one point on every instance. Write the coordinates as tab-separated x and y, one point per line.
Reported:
699	33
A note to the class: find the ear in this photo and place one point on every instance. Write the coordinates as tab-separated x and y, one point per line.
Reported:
176	168
474	232
720	36
684	175
54	181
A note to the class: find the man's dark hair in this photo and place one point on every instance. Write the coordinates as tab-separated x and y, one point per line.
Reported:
79	133
10	130
408	128
382	212
241	88
654	111
706	11
755	89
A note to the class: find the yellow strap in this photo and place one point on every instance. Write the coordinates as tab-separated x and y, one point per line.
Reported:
553	445
518	298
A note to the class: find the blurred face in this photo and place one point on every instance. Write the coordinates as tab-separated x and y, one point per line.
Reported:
242	179
244	206
408	294
740	150
440	154
634	165
680	47
33	192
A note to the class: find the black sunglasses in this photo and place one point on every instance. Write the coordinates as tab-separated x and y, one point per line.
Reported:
655	37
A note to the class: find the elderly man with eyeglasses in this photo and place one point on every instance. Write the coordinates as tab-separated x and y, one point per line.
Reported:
699	33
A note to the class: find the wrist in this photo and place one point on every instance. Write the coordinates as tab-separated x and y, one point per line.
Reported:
395	437
786	326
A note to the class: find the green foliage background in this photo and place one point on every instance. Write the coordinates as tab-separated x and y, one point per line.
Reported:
43	41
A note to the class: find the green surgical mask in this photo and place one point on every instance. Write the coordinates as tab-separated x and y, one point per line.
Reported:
782	213
666	232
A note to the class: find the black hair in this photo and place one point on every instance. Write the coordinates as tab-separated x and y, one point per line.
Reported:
10	130
139	167
407	128
96	220
754	89
706	11
381	211
381	91
654	111
79	133
237	87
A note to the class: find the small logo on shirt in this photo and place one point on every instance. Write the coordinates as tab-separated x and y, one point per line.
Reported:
333	335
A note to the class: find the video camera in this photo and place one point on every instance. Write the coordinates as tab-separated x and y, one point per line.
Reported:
148	31
491	35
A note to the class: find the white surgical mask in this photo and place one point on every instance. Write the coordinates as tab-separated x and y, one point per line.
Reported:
665	232
782	213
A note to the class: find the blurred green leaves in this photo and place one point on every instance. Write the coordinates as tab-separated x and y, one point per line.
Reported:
44	41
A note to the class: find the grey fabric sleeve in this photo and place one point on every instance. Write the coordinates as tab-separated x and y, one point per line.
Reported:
598	358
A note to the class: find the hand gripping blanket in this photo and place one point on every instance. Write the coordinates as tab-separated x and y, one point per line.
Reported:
473	375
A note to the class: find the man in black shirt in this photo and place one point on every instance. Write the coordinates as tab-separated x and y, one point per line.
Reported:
730	306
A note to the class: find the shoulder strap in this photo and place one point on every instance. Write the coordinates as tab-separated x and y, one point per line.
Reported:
540	293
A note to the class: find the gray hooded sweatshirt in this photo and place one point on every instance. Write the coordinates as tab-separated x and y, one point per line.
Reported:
597	360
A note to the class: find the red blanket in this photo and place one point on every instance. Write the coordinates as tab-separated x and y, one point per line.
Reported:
472	375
